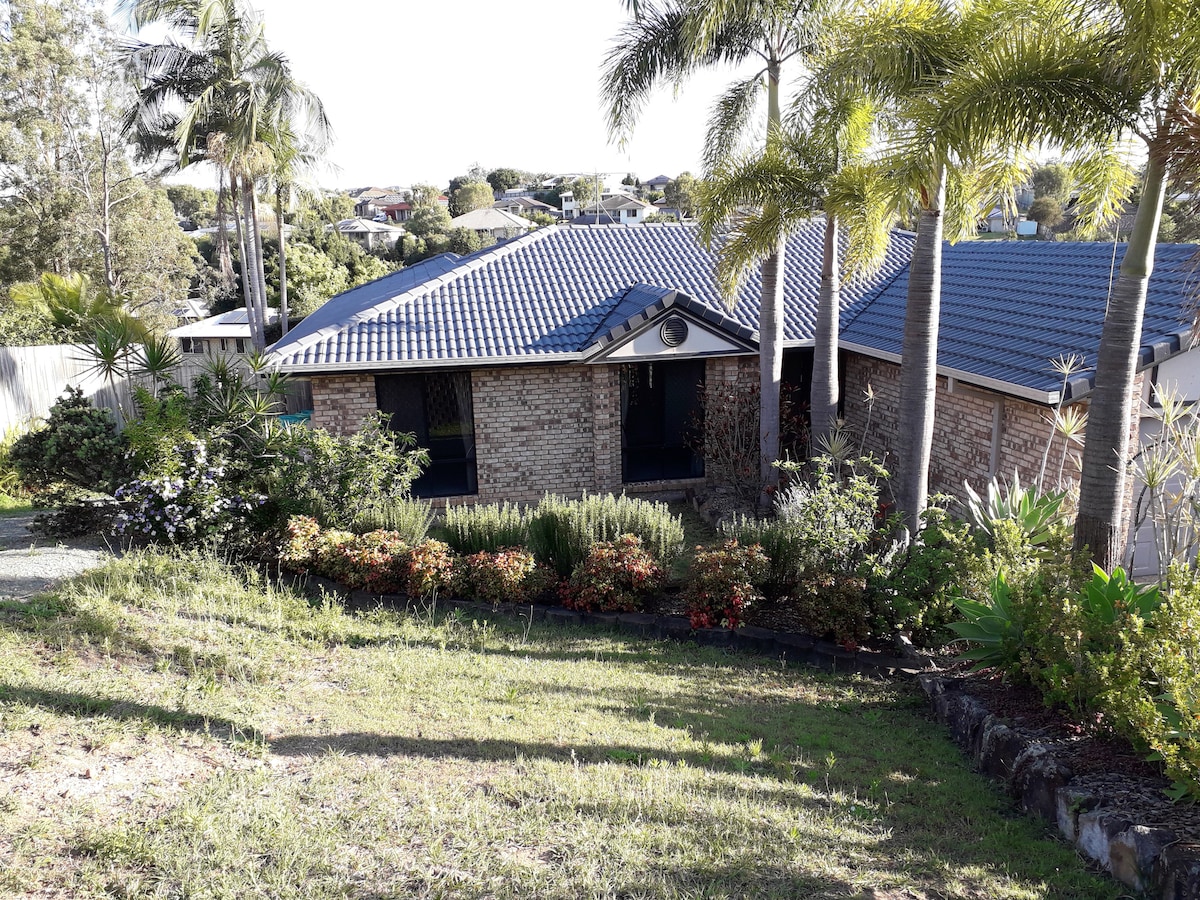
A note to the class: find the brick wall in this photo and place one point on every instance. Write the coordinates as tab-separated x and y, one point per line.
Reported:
967	422
537	428
534	432
340	402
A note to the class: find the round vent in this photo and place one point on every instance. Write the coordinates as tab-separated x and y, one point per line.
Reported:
674	331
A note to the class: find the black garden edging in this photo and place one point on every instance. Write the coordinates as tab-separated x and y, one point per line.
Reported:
1152	860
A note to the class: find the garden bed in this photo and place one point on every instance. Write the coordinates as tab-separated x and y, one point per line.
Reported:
1104	798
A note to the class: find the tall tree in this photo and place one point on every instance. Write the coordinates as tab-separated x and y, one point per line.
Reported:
240	102
667	44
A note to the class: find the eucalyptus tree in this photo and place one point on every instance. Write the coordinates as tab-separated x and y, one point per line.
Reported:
670	41
971	88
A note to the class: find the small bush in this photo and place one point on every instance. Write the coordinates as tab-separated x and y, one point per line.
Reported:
562	532
79	446
505	576
721	584
300	546
616	576
430	568
834	605
490	527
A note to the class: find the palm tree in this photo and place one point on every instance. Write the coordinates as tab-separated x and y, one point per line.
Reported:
668	43
971	90
237	97
1096	73
816	167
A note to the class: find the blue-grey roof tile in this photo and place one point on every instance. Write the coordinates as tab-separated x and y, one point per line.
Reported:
1010	307
547	293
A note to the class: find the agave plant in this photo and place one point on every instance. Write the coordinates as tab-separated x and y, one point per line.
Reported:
1109	599
1035	513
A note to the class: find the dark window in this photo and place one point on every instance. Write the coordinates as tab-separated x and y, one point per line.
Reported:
661	416
241	345
436	407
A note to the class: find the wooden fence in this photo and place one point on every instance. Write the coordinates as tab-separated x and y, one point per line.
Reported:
32	378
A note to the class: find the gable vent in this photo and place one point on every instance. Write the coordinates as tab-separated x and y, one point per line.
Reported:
674	331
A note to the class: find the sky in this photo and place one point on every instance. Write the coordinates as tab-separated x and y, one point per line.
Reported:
419	91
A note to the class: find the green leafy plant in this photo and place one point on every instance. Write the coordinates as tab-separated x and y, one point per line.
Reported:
992	627
79	446
408	516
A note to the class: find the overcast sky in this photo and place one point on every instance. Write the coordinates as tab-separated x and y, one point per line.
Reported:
420	90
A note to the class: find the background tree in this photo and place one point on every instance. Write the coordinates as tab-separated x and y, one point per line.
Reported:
505	179
471	196
1052	180
197	205
682	193
585	193
1047	211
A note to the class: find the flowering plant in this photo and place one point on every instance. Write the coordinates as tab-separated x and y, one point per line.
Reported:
506	576
616	576
192	505
722	584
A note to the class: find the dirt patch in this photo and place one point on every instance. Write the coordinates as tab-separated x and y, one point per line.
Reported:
30	563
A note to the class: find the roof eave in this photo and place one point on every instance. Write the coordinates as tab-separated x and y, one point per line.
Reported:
475	362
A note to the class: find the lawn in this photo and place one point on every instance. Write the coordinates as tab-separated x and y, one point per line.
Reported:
169	728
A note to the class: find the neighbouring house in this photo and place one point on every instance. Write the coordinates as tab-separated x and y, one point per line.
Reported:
573	359
525	206
368	233
657	183
224	333
187	311
398	212
491	221
620	209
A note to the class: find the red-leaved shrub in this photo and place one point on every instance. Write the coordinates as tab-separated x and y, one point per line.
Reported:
722	582
616	576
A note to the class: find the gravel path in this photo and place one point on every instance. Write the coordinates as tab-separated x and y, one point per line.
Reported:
30	563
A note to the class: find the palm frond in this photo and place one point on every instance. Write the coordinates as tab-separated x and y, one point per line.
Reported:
729	120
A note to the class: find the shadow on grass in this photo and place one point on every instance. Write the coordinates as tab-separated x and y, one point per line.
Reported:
83	706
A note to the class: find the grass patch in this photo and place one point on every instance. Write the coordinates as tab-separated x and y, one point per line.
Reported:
172	727
14	506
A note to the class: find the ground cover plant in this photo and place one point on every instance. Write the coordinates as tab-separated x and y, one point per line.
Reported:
172	727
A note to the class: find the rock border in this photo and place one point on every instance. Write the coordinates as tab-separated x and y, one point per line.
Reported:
1152	861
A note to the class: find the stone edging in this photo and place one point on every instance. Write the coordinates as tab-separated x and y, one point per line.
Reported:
1151	860
795	648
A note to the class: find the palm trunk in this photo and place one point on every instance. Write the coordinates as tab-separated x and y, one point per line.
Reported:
250	267
824	397
260	277
247	297
224	258
283	298
918	359
770	327
1100	524
770	370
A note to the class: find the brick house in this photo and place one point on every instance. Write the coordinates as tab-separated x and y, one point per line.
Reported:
575	359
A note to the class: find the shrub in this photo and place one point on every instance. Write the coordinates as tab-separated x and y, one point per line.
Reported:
300	547
377	561
721	584
79	446
562	532
430	569
616	576
197	504
834	605
163	424
490	527
503	576
1035	514
336	478
407	516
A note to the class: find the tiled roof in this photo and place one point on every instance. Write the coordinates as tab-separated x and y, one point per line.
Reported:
1009	307
545	295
